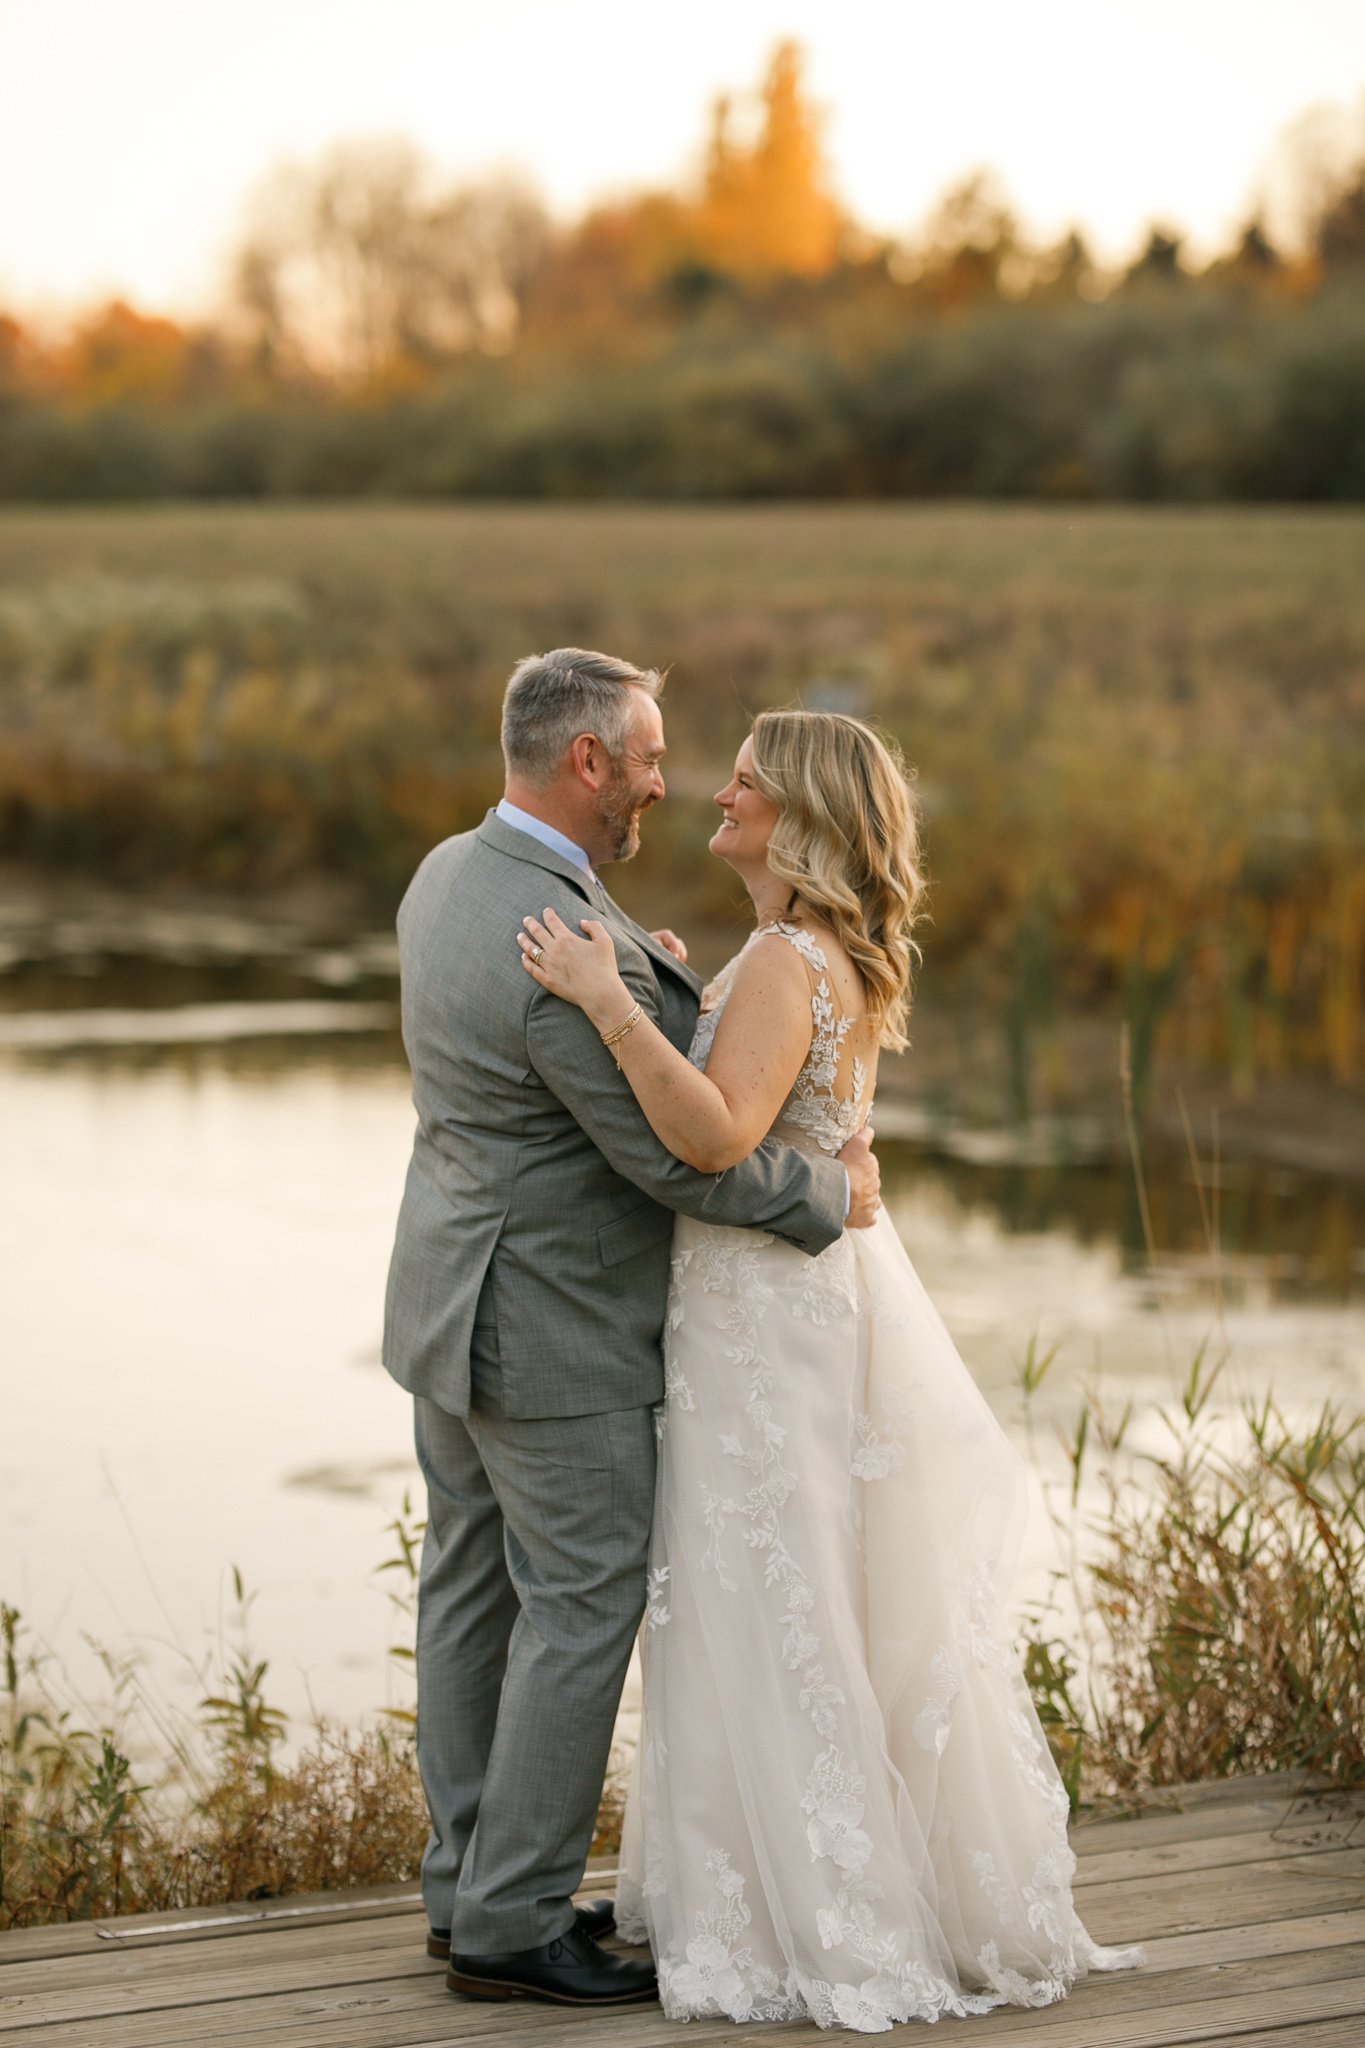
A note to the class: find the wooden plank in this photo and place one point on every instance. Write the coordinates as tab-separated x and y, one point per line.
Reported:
1209	1852
332	1978
1245	1817
399	1934
1276	1889
339	2016
1067	2026
369	2011
237	1917
85	1947
331	1955
188	1977
1318	2034
1212	1946
45	1993
1253	1816
1248	1805
1175	2026
1104	1999
398	1937
75	1937
1230	1791
1317	2013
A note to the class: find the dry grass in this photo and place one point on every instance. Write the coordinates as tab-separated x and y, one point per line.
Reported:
80	1838
1213	1623
222	1815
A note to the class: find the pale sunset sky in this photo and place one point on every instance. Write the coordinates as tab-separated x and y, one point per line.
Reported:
131	131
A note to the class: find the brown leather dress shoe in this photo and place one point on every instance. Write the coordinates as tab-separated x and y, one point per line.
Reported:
596	1917
570	1971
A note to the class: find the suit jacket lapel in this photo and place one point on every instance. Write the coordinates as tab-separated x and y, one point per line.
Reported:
660	955
521	846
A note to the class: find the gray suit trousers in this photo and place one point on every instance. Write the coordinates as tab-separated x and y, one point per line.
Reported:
532	1589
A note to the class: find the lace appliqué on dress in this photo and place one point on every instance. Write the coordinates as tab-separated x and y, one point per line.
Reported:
815	1109
718	1976
814	1105
818	1418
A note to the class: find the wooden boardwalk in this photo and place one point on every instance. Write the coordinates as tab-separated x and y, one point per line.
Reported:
1249	1895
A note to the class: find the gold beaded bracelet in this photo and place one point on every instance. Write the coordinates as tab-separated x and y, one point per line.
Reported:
611	1039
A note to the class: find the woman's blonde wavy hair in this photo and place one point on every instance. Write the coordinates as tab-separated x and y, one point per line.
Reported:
846	841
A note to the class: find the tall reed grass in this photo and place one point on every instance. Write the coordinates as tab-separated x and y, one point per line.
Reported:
1211	1618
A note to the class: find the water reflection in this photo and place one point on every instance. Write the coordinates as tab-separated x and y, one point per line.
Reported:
196	1229
51	1031
68	971
1236	1224
1232	1226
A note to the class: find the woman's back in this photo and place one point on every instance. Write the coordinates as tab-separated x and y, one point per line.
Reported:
831	1097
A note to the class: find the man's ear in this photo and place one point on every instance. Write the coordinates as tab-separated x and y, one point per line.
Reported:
591	763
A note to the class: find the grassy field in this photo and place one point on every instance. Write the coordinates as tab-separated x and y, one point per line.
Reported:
1138	733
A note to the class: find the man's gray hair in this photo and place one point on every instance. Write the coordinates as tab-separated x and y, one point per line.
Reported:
552	698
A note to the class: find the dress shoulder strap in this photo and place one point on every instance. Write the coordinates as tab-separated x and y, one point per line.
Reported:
794	934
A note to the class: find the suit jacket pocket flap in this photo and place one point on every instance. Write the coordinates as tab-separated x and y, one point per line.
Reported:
634	1232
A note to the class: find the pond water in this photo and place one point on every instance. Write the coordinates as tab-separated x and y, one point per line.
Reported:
201	1168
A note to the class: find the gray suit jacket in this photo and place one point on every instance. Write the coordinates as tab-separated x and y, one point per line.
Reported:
535	1180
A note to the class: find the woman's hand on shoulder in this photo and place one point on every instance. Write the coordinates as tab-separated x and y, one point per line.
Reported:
581	970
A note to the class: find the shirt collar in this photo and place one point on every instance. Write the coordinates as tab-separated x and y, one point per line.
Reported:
522	821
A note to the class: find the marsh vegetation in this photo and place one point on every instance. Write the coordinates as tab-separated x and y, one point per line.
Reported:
1136	733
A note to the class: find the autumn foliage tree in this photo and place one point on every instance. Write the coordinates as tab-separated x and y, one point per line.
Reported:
766	209
763	211
116	355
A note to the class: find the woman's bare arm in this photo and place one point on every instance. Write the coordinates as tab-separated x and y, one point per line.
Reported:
710	1120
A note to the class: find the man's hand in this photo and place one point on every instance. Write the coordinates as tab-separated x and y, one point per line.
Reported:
671	943
864	1180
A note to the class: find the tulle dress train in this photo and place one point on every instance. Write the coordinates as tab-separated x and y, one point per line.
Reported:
843	1807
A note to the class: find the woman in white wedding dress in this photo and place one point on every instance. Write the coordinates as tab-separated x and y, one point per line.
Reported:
844	1808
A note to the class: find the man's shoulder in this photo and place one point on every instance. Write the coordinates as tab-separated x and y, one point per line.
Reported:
446	858
471	874
464	856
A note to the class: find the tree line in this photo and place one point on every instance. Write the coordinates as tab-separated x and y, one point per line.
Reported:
384	334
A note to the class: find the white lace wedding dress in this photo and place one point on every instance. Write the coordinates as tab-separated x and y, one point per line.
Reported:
844	1808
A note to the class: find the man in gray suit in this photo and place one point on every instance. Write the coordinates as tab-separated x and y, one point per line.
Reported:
524	1314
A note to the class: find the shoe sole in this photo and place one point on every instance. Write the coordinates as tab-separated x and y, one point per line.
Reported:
491	1988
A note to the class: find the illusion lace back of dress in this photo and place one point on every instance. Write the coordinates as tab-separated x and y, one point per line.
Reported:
844	1808
830	1098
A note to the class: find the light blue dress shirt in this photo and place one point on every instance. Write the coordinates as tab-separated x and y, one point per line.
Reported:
512	814
522	821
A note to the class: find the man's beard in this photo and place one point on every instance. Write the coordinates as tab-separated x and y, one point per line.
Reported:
620	813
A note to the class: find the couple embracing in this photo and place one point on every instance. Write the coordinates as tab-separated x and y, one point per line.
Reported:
670	1361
